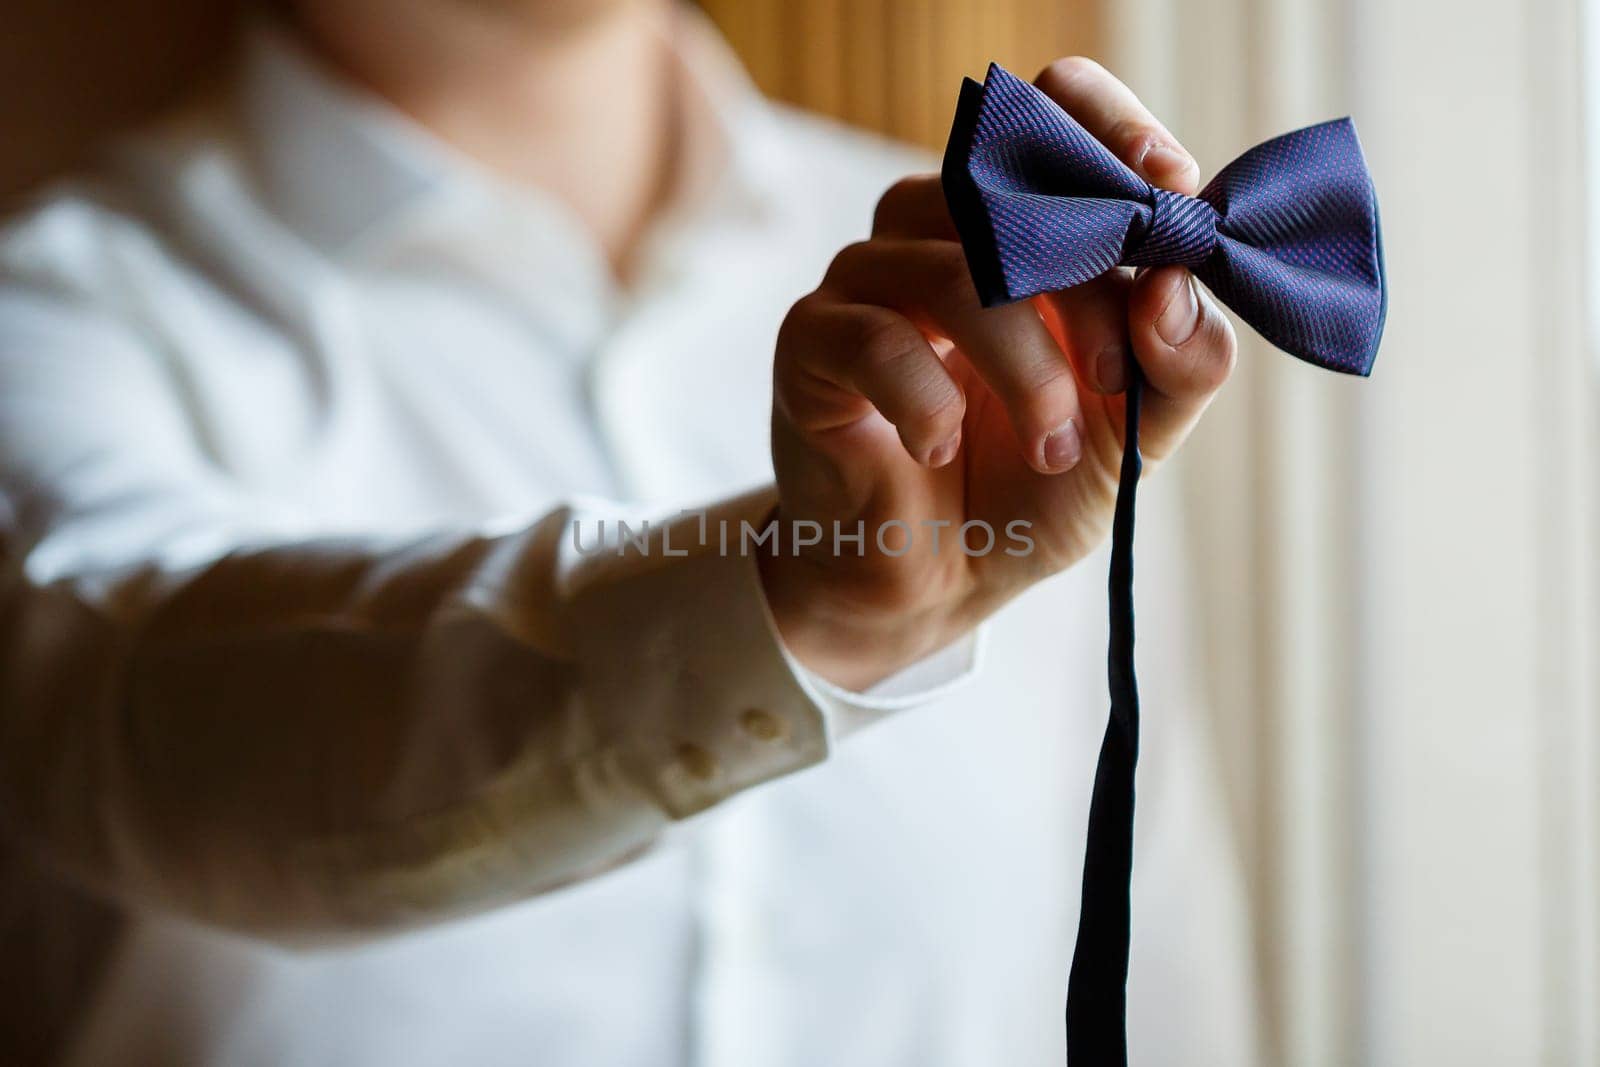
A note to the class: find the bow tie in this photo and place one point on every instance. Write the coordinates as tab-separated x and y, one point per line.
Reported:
1286	235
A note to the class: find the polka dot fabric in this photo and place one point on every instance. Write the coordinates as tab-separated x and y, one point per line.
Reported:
1286	235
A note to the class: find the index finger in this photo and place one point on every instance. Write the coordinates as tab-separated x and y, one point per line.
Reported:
1111	112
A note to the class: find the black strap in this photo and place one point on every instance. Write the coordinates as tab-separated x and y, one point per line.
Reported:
1097	1001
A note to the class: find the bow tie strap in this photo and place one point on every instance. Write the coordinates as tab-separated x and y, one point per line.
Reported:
1287	236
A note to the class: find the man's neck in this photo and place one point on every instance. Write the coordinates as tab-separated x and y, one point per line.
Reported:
585	109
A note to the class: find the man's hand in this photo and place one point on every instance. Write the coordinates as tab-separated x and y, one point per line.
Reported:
898	397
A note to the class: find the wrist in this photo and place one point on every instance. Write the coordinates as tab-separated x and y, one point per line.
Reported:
847	621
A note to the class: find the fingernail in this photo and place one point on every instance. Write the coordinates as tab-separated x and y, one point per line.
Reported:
945	452
1109	367
1165	161
1063	447
1177	321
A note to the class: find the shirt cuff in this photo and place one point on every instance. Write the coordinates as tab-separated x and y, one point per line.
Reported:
929	679
687	691
686	680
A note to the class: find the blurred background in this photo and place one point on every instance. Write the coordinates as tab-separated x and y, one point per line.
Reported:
1395	580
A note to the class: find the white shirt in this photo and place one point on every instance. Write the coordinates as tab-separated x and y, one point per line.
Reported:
321	742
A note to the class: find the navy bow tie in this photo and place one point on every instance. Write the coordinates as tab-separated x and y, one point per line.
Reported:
1286	235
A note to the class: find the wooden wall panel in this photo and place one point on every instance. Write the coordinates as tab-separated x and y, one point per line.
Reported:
893	65
71	72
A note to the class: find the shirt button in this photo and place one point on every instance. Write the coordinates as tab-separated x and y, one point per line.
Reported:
697	762
763	725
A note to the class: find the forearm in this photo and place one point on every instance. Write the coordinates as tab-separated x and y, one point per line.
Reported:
311	738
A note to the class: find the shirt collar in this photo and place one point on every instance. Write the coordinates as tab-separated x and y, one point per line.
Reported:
343	168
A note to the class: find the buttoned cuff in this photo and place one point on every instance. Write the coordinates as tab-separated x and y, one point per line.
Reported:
928	680
685	680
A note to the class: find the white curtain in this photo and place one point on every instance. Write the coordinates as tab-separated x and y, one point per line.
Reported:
1397	577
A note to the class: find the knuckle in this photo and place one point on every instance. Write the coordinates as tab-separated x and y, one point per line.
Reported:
1068	72
1048	391
1039	396
898	366
848	258
942	408
886	340
903	192
797	320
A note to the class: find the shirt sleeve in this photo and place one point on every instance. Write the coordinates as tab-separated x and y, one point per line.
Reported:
208	709
929	679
